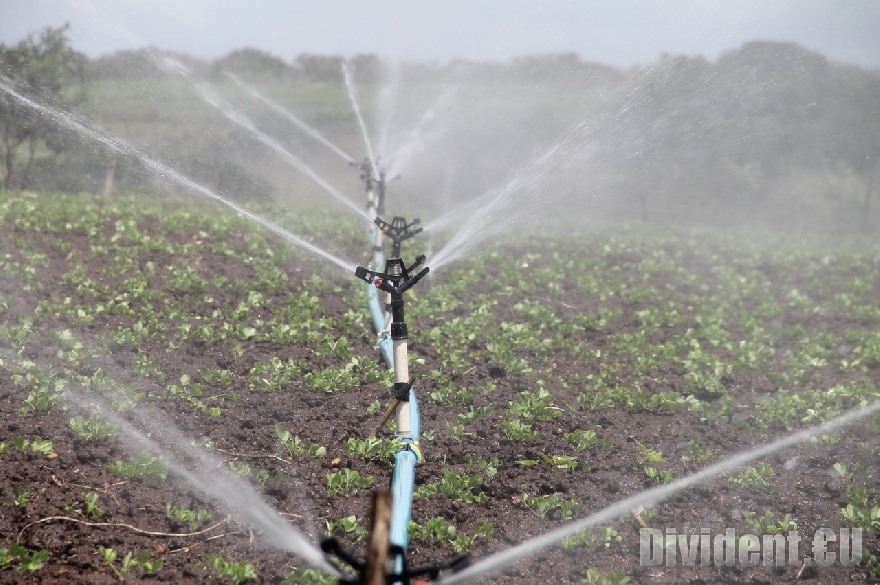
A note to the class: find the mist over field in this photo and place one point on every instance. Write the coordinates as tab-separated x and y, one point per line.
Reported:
770	134
648	294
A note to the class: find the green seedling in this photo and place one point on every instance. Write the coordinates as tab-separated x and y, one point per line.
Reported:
375	407
189	517
19	443
346	482
373	448
489	468
238	572
92	429
559	462
474	413
700	454
129	562
261	476
534	406
582	439
545	505
293	446
43	446
594	577
21	498
768	524
461	487
754	478
91	505
454	431
438	531
519	431
348	527
648	455
586	538
27	561
239	469
310	577
142	464
316	450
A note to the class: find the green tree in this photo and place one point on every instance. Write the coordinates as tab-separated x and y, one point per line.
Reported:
45	68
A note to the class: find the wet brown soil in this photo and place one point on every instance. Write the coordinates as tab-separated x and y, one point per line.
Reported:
54	516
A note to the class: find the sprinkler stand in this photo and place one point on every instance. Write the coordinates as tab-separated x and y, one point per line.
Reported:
395	281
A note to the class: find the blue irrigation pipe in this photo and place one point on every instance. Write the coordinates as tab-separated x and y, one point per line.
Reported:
378	315
395	281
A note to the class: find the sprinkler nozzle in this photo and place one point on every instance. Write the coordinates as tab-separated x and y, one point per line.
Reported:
398	230
412	281
364	274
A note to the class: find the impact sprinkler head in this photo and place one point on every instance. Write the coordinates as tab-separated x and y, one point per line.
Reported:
396	280
397	231
380	206
366	169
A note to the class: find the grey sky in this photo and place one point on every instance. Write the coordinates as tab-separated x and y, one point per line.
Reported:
618	32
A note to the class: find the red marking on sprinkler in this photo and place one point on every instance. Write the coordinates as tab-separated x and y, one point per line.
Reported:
378	282
385	229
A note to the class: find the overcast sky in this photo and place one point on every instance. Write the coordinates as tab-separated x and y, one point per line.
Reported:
616	32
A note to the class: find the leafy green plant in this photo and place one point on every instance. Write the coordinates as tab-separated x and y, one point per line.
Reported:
26	561
754	478
189	517
276	376
591	539
582	439
310	577
42	446
594	577
140	465
860	509
130	562
348	527
534	405
438	531
559	462
239	469
91	505
334	380
238	572
346	482
519	431
92	429
768	524
648	455
373	448
461	487
700	454
46	390
489	468
21	498
287	443
545	505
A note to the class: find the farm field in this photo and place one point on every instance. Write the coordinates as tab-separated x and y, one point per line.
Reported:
556	376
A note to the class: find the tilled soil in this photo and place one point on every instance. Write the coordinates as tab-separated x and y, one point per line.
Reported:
133	511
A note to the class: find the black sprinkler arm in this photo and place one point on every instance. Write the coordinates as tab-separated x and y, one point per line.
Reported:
397	231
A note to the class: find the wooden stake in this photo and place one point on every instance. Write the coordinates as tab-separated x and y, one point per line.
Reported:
385	417
377	546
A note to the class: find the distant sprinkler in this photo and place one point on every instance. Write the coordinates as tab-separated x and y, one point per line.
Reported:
398	231
380	206
367	176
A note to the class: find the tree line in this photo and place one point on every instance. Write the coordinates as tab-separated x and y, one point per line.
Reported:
761	126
